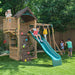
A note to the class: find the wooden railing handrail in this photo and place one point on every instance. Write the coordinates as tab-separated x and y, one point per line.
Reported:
9	18
9	23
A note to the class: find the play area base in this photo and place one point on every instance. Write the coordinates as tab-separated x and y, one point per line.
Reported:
56	58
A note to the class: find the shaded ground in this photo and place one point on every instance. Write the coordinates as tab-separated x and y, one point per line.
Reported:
40	66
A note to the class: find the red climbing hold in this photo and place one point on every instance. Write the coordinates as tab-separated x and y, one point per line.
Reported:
4	41
21	33
28	52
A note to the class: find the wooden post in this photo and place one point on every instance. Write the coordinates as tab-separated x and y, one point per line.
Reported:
18	36
9	42
53	38
35	24
58	48
35	43
49	35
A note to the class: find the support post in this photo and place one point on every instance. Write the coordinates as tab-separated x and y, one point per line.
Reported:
49	35
35	43
53	38
18	52
9	42
58	48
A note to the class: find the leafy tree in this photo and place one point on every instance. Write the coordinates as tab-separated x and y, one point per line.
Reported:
57	12
14	5
2	45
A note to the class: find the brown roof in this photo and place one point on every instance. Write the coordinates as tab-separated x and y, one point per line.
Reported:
25	17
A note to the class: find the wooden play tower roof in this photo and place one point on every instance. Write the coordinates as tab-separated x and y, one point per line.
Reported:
26	14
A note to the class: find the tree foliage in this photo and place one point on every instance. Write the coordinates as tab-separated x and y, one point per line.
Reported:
14	5
2	45
56	12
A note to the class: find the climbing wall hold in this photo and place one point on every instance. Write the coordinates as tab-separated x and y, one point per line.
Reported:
21	33
28	52
25	60
26	40
4	41
24	45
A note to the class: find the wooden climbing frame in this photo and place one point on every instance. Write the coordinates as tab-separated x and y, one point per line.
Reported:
18	27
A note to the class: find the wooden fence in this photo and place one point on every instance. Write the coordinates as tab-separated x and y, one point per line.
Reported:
64	36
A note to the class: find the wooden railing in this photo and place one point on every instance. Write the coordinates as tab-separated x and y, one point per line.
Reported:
9	24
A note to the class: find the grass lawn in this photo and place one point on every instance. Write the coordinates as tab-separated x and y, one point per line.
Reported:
40	66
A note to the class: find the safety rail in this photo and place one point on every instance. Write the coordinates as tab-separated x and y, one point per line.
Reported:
9	24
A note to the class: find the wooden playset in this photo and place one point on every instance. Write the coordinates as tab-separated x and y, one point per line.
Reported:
22	46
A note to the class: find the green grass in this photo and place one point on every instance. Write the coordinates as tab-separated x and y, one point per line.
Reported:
40	66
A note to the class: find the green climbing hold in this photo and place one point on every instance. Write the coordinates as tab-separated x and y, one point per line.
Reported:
24	45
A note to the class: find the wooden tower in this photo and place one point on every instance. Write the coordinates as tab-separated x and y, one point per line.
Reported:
21	45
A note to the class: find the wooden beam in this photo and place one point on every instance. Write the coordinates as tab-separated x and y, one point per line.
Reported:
40	24
9	41
4	54
53	38
18	52
58	48
35	43
49	35
35	24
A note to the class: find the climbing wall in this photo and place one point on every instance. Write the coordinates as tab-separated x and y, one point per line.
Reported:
27	48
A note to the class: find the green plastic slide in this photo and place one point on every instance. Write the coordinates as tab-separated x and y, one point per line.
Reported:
56	58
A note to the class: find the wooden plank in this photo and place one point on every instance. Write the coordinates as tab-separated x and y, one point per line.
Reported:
53	38
9	42
14	48
18	22
15	58
4	54
58	48
35	42
49	35
9	25
40	24
33	58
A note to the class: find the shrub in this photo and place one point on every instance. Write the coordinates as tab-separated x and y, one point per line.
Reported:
3	46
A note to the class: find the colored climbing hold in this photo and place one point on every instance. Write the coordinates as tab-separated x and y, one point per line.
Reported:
28	52
25	60
26	40
24	45
4	41
21	33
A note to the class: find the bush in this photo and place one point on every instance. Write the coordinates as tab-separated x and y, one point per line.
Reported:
3	46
